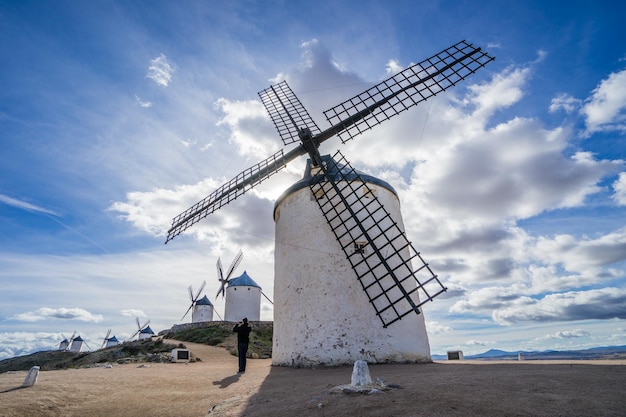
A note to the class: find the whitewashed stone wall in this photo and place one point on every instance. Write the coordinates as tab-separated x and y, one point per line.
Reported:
202	313
242	301
322	316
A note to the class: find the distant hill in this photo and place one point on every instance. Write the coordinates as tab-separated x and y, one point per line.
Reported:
597	353
147	350
150	350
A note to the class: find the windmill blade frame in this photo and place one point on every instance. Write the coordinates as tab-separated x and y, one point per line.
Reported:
358	221
348	119
234	264
240	184
106	338
220	278
287	112
405	89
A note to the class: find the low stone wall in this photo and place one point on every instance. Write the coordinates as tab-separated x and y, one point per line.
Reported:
205	324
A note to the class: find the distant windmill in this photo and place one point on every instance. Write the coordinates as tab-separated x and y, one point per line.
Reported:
77	343
233	266
106	339
65	343
109	341
144	331
338	224
201	308
194	299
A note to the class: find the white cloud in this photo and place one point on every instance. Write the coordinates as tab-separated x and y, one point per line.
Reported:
250	127
434	327
132	313
142	103
564	102
619	188
605	110
160	71
568	334
62	313
604	304
23	205
22	343
393	67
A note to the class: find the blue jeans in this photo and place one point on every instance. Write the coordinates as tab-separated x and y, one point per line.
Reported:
242	349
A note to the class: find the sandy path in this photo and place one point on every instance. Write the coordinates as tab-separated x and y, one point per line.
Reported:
212	388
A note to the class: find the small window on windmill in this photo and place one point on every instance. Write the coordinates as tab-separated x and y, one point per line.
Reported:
359	247
369	192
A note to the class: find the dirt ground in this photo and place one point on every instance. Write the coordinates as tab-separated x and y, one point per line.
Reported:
213	388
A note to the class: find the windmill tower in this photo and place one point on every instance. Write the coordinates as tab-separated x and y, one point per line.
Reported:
243	299
144	331
77	343
357	225
202	308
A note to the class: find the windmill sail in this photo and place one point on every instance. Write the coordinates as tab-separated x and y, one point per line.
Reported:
349	119
287	112
392	273
406	89
223	279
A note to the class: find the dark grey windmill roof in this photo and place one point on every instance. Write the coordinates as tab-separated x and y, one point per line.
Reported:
243	281
307	179
204	301
112	339
78	339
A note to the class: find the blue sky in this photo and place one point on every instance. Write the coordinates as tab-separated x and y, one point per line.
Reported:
116	116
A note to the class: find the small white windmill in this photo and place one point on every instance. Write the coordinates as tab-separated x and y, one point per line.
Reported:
144	331
109	341
202	307
65	343
77	343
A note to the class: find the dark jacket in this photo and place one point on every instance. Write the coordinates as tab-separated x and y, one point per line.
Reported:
243	332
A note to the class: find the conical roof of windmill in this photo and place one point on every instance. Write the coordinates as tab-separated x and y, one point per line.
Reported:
337	172
204	301
147	330
243	280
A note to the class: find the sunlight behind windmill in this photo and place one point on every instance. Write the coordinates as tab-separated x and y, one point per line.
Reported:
338	224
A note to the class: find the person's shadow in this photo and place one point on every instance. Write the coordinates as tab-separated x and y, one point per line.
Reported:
224	383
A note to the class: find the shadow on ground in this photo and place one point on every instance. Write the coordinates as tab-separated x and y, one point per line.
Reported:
446	389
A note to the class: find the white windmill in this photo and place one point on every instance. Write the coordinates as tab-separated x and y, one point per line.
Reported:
243	295
144	331
202	307
77	343
107	341
348	282
65	343
243	299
